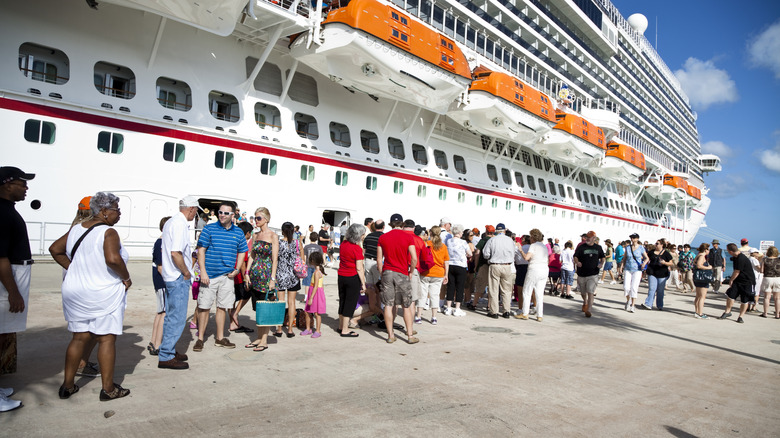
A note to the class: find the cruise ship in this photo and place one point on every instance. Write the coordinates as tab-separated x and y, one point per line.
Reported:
554	114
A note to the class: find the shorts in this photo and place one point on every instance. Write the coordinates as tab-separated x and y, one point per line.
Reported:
522	270
555	275
219	290
703	284
587	284
743	291
416	288
110	324
396	289
160	300
770	285
241	292
372	273
567	277
608	266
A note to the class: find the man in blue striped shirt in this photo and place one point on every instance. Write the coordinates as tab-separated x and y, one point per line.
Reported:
221	249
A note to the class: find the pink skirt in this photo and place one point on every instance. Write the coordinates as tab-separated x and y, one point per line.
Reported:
318	303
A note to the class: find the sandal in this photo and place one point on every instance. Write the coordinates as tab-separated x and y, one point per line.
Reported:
349	335
153	351
259	348
251	345
118	392
66	393
291	335
278	335
242	329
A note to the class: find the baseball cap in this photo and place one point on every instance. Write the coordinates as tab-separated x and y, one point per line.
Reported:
744	241
396	217
84	203
475	230
634	236
593	234
490	229
500	227
10	173
443	221
189	201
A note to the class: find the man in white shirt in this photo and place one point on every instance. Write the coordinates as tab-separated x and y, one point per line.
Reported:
177	274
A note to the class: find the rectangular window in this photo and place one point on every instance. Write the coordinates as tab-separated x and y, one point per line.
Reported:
398	187
110	142
371	183
419	154
341	178
492	173
542	186
421	191
506	176
570	192
585	195
531	183
533	209
396	148
223	160
268	167
441	159
561	190
519	179
442	194
36	131
552	188
461	197
544	211
173	152
494	202
579	195
460	163
508	205
479	200
520	207
307	172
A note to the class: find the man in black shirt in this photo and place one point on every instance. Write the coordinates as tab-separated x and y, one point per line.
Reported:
15	264
741	284
588	259
372	276
715	259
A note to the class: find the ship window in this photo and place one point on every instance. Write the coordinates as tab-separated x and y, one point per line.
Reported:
306	126
531	183
552	188
519	179
547	165
494	202
612	203
174	94
404	37
268	116
396	148
506	176
533	209
537	162
600	202
421	191
36	131
398	187
565	171
419	154
579	195
223	160
585	195
394	15
268	167
269	80
569	192
592	199
307	172
554	212
371	182
581	177
339	135
590	181
557	169
542	186
110	142
461	197
460	163
442	194
224	106
508	205
440	158
44	64
173	152
303	89
492	174
114	80
341	178
520	207
561	191
479	200
622	206
369	141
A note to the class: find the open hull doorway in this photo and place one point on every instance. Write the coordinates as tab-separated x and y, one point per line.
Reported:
335	218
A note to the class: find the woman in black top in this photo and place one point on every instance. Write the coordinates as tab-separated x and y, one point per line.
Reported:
657	275
700	263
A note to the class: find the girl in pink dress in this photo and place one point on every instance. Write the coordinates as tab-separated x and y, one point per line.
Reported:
315	298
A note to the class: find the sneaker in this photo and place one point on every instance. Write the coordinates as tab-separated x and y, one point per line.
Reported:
506	315
448	311
725	315
225	343
601	281
306	332
644	306
703	316
697	316
89	370
417	320
7	404
533	310
613	282
6	392
316	335
458	312
434	321
118	392
173	364
628	306
198	346
632	309
739	320
521	316
492	315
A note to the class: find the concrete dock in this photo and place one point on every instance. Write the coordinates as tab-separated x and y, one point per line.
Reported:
648	373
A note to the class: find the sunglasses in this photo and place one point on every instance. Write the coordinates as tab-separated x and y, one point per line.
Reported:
224	213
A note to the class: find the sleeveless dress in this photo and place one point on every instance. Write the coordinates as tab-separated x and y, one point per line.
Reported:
318	303
285	266
260	271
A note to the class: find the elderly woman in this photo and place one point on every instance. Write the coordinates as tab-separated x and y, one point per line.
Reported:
536	278
459	252
770	286
94	292
352	279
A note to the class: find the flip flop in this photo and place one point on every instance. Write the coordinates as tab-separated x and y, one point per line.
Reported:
278	335
242	329
251	345
260	348
349	335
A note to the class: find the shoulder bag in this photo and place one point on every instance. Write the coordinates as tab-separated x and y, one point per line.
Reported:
300	266
78	242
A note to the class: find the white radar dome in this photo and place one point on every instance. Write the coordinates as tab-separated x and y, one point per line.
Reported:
638	22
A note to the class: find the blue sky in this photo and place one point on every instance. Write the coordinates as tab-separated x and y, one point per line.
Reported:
727	57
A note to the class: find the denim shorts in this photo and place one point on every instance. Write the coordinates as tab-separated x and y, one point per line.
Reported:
567	277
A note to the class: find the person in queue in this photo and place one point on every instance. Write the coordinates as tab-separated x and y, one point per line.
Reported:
351	280
287	283
500	254
434	278
700	263
94	292
536	278
770	286
459	253
588	258
262	262
396	260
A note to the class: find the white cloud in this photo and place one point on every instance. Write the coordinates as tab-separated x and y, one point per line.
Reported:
705	84
729	186
770	158
718	148
764	50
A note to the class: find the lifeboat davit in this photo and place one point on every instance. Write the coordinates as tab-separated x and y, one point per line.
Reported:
573	140
621	162
375	48
501	105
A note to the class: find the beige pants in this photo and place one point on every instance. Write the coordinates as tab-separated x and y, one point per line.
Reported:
501	277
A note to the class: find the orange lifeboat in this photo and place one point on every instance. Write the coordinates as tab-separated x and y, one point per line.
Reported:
573	140
674	187
694	192
375	48
622	162
501	105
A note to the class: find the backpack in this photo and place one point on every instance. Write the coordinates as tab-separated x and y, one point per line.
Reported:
426	259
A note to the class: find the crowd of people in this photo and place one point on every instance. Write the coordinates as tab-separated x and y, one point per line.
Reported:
383	268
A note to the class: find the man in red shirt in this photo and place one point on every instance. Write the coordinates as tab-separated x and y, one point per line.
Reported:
396	261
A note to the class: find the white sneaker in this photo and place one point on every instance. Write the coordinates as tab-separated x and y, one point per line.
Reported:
6	392
458	312
533	311
448	311
628	306
613	282
601	281
6	404
632	309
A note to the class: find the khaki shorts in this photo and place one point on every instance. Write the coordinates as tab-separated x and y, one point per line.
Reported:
587	284
372	273
221	290
416	288
396	289
770	285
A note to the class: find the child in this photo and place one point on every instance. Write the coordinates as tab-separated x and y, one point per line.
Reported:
315	299
242	293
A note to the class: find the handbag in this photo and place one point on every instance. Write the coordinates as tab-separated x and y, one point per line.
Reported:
300	267
702	275
270	312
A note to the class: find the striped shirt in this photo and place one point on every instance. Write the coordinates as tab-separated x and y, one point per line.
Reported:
222	248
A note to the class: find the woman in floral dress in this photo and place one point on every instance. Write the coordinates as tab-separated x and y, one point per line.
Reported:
286	281
262	268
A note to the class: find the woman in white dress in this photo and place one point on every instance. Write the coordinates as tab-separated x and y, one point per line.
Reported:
536	278
94	291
